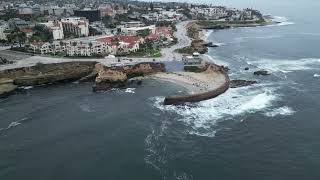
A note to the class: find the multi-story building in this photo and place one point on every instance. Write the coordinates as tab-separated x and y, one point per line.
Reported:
18	23
133	31
78	26
89	46
24	10
3	28
90	14
56	28
215	12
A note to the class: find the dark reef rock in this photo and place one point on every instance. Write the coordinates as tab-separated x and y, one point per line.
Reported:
4	61
262	73
241	83
210	44
246	68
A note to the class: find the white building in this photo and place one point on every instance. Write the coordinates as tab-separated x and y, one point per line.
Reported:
76	25
133	31
3	27
23	9
41	47
89	46
56	29
210	13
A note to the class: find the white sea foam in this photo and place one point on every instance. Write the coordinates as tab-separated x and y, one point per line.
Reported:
130	90
282	21
286	66
86	108
207	34
242	39
283	111
203	117
26	87
13	124
216	60
316	75
281	24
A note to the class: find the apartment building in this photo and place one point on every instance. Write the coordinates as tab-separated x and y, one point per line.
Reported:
78	26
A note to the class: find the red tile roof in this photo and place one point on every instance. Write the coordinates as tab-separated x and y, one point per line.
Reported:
38	43
163	30
153	37
131	40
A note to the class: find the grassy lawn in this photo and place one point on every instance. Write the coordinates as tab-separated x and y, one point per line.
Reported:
154	53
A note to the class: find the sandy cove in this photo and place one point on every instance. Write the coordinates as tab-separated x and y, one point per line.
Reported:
193	82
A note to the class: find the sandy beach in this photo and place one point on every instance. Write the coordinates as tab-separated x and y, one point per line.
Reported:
194	82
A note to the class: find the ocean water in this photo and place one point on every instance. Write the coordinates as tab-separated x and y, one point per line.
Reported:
267	131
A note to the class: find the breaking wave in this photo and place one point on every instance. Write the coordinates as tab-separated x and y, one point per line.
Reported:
242	39
282	21
216	60
202	118
14	124
26	87
286	66
316	75
284	111
130	90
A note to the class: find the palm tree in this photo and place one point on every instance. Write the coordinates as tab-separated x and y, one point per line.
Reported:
22	37
90	46
52	47
74	44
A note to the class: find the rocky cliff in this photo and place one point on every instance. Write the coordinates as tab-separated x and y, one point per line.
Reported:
45	74
117	77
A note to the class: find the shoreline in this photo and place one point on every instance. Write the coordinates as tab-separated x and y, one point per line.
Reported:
203	85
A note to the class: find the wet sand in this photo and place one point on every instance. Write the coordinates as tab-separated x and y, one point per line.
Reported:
194	82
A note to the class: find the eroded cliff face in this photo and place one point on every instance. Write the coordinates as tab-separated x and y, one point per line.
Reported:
48	73
104	77
45	74
118	77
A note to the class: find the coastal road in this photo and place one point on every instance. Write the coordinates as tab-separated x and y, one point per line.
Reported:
168	54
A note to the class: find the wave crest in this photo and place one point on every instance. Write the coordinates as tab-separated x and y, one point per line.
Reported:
202	117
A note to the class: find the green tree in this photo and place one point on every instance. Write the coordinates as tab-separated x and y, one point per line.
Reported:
144	32
151	6
90	46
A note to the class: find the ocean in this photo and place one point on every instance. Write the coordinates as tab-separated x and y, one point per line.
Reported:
268	131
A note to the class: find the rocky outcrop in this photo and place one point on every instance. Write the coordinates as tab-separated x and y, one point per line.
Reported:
49	73
176	100
241	83
119	77
4	61
210	44
262	73
6	87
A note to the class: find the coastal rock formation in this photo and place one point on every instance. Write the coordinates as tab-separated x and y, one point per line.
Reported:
262	73
5	61
241	83
210	44
6	87
118	77
48	73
